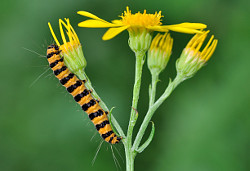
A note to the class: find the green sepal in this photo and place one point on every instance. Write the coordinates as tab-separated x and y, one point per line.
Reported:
188	64
140	39
74	59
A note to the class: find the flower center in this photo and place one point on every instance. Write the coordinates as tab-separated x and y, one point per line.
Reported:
141	19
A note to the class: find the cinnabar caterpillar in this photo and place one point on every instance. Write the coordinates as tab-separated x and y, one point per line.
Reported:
81	95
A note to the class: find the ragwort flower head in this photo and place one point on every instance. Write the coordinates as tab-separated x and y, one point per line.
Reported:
159	52
192	59
71	49
135	23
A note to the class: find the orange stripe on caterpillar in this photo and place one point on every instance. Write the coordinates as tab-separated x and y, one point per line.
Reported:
82	96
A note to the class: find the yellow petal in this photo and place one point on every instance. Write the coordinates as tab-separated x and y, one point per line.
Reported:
88	14
214	44
191	25
181	29
117	22
53	34
61	22
158	28
112	32
208	44
96	24
189	28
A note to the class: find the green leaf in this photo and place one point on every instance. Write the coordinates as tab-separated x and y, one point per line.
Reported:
145	145
110	121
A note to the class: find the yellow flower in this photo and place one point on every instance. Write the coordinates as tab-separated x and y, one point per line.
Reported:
133	22
192	59
71	48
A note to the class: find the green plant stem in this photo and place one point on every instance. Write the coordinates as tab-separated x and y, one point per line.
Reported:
130	154
152	109
82	75
155	76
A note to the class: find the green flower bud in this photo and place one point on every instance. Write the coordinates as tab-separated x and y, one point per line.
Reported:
74	58
139	39
159	52
192	59
71	50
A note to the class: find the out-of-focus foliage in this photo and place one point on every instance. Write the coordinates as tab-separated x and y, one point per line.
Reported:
204	125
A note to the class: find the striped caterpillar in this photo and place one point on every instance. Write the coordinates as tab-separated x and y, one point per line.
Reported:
81	95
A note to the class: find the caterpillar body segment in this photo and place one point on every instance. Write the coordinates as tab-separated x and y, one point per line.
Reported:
81	95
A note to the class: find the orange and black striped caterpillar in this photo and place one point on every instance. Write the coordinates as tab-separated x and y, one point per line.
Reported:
81	95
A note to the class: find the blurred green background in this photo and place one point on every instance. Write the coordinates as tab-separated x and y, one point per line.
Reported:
203	126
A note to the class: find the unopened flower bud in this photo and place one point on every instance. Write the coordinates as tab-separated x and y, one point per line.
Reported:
192	59
140	39
159	52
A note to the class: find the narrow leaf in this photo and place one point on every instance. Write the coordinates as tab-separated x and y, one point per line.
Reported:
110	116
148	141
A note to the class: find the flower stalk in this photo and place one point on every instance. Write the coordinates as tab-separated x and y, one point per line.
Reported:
130	154
153	107
187	65
152	88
